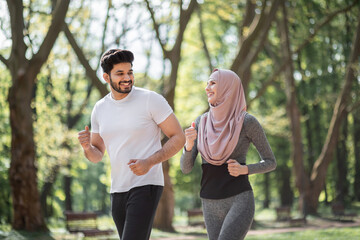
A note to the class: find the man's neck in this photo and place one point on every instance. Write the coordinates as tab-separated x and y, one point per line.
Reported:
118	96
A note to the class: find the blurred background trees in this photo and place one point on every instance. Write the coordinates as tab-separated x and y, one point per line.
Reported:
298	60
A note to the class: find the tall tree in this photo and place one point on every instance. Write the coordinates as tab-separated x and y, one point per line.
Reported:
292	108
23	177
165	212
340	111
311	187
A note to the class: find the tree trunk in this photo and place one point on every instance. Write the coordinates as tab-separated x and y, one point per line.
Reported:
310	190
46	191
309	137
67	189
320	167
23	173
341	165
165	210
293	112
285	191
317	119
317	134
266	202
356	137
104	196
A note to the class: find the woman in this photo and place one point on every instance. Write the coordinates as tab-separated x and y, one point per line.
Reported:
222	136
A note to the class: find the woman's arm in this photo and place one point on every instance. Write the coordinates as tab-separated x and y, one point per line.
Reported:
190	151
257	135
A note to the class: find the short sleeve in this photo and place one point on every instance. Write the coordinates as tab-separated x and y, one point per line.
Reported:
94	121
158	107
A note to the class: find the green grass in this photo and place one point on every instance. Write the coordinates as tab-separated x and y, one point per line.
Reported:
348	233
325	234
264	221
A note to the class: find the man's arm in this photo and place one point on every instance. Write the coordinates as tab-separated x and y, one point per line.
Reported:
93	145
172	129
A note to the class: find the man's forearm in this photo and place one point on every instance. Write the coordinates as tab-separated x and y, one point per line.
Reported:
169	149
93	154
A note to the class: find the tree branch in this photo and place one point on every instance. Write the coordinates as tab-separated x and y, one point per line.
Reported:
5	61
323	23
202	36
72	120
57	22
91	74
262	27
269	82
175	53
17	26
248	19
105	26
184	20
156	28
320	166
354	107
299	48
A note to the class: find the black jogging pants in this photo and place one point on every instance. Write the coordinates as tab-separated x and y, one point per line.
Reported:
133	211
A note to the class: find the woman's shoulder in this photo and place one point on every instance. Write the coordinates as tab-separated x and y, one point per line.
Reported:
201	116
251	122
249	118
204	114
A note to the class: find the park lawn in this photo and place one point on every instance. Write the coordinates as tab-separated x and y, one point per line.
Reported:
349	233
58	231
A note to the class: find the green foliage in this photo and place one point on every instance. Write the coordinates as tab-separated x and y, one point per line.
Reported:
186	186
5	140
59	98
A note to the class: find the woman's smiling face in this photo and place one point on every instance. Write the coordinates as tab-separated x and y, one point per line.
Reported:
211	91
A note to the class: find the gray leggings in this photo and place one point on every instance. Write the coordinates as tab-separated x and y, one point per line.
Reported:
229	218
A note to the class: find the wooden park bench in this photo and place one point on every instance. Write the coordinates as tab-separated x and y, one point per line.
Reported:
338	211
283	213
195	217
84	222
297	222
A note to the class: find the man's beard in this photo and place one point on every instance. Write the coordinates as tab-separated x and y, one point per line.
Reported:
118	88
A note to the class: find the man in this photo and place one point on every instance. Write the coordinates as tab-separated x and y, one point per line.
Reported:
128	123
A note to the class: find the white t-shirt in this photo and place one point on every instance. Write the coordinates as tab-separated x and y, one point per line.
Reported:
129	128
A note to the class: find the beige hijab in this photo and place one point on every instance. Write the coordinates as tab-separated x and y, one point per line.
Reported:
219	130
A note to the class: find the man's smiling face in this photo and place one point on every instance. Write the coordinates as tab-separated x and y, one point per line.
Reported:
121	79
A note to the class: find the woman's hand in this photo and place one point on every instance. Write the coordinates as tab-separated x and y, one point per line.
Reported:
236	169
190	135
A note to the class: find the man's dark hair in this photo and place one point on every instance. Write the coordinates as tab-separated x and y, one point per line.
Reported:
115	56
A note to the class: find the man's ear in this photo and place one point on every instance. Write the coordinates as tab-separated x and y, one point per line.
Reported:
106	77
